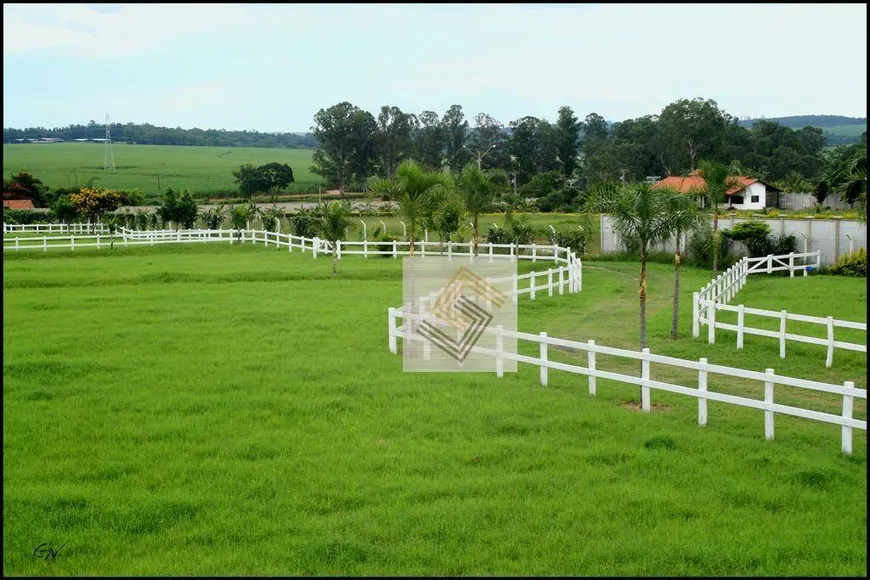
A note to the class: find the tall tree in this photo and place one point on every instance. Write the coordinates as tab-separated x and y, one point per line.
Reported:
429	141
455	131
276	176
489	141
595	127
692	129
394	142
567	139
415	190
345	144
640	215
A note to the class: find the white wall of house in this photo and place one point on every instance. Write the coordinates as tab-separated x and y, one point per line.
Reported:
753	197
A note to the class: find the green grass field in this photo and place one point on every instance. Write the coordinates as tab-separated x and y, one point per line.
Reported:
216	409
845	130
201	169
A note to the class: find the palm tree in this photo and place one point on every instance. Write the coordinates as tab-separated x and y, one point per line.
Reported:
684	216
478	192
718	180
333	221
415	190
240	215
112	221
639	213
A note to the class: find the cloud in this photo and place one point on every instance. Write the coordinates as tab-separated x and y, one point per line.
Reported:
110	31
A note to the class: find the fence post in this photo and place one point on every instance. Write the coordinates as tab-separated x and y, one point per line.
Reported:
490	252
549	282
770	263
532	290
847	414
449	249
696	313
543	359
791	264
499	350
591	366
395	252
702	388
391	317
561	281
314	245
512	251
44	243
711	322
644	376
72	243
829	360
740	315
782	319
768	400
534	252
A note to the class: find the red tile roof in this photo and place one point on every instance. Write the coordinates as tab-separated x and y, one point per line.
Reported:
18	204
694	183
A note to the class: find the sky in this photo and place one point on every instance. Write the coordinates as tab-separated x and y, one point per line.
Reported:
271	67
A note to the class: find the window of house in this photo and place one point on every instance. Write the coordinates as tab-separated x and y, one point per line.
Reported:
738	199
754	199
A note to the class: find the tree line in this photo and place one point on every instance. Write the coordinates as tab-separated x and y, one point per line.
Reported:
147	134
542	156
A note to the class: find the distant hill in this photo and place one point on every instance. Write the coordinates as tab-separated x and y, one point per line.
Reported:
839	130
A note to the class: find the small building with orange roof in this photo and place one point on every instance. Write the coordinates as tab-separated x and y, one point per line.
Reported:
748	193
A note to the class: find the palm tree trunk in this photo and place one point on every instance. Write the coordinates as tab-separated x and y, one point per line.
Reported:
642	295
334	259
715	238
411	238
676	316
643	300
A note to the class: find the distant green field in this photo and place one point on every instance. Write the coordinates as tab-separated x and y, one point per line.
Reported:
845	130
201	169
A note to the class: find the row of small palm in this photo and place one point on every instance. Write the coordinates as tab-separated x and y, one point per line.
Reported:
438	199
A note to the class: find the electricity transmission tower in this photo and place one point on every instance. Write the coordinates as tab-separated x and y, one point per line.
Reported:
109	159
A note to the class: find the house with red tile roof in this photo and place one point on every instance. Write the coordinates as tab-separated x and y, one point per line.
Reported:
18	204
747	193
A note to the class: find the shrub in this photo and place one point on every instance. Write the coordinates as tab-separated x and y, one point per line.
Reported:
779	245
753	234
558	201
304	225
854	265
387	245
700	246
574	239
22	216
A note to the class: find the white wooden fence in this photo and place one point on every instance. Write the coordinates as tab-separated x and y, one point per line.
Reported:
848	391
716	296
98	227
567	276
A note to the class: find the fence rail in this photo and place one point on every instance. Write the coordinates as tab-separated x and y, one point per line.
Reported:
717	295
98	227
568	276
847	391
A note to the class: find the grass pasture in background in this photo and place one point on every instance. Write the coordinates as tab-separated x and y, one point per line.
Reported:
201	169
216	409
